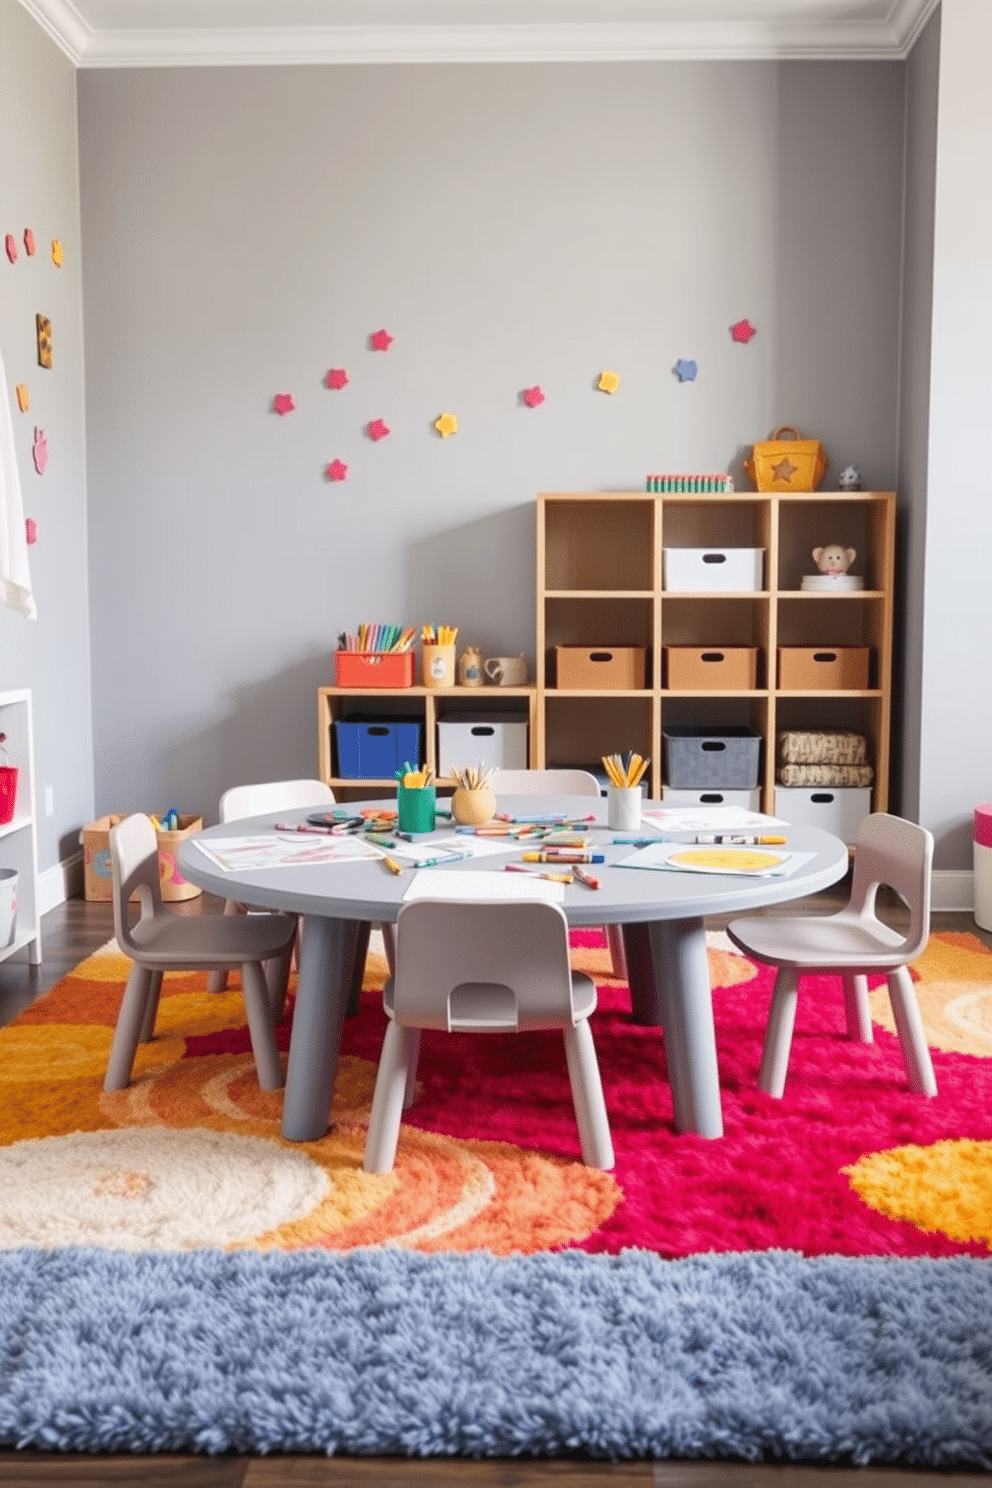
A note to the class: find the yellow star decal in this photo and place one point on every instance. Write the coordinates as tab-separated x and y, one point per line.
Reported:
56	253
609	382
446	424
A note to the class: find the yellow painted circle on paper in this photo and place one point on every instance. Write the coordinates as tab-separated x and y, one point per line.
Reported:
731	859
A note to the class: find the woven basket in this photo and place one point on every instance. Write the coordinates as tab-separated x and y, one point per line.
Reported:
793	464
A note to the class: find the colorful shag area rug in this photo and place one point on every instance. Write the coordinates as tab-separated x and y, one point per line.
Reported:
816	1284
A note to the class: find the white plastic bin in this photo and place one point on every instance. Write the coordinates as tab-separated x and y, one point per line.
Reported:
749	799
489	739
837	809
983	867
8	907
713	568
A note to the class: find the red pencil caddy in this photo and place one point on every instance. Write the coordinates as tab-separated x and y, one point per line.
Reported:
374	668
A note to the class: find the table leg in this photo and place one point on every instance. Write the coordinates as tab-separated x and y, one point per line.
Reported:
363	931
644	999
682	976
327	955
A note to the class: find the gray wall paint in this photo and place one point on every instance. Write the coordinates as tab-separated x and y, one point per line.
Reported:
39	188
922	79
246	229
956	699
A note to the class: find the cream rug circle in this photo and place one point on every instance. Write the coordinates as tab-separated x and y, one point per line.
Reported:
152	1188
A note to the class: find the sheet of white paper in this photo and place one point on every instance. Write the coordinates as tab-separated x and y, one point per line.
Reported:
250	853
660	855
431	883
707	818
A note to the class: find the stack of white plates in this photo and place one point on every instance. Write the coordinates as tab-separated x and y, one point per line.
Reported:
832	583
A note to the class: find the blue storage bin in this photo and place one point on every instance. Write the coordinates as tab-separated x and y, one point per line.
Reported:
373	748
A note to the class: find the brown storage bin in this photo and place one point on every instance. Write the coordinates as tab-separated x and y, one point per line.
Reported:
97	878
822	668
601	668
703	668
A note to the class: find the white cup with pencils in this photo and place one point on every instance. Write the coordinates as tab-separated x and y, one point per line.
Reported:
623	793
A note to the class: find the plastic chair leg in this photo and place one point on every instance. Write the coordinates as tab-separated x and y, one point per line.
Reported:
778	1034
387	1100
909	1026
587	1095
857	1009
130	1022
277	981
263	1039
151	1007
614	939
413	1057
217	980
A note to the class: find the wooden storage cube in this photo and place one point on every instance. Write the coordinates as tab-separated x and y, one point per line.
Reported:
709	668
580	730
823	668
592	543
601	668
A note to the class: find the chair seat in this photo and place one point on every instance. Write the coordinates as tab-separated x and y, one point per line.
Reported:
584	995
829	942
211	941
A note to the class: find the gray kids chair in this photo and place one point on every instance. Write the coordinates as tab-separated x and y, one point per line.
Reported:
888	851
160	940
473	966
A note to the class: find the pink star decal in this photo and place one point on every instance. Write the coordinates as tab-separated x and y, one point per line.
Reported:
377	429
283	403
533	396
742	330
30	530
380	340
336	471
337	377
28	242
10	243
39	451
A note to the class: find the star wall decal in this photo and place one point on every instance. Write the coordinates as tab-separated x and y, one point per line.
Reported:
608	382
283	403
30	531
685	369
784	470
377	429
58	257
337	470
742	330
29	242
380	340
10	244
337	377
446	425
39	451
533	396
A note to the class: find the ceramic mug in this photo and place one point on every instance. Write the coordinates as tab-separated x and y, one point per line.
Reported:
507	671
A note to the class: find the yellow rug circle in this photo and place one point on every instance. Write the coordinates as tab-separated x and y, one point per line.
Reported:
945	1188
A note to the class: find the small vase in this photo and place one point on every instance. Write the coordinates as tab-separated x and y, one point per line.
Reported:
473	808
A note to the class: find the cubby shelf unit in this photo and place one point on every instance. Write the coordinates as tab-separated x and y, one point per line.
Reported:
18	837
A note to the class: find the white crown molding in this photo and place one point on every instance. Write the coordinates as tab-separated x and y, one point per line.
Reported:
888	40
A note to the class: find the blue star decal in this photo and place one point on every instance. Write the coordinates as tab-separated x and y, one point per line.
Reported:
685	370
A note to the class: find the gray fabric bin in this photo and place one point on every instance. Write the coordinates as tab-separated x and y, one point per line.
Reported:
697	758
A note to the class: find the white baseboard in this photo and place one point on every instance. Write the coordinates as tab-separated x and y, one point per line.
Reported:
952	888
56	885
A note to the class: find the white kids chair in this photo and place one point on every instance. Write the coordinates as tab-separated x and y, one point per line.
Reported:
242	801
160	941
888	851
562	783
476	966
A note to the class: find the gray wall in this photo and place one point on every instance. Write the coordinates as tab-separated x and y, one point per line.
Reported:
246	229
39	188
922	79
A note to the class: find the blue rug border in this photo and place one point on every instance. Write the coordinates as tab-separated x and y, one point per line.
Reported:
387	1352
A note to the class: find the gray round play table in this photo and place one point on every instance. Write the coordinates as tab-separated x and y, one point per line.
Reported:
664	938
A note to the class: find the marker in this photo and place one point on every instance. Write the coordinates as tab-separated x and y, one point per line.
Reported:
585	878
743	841
392	865
564	857
452	857
303	827
638	841
565	878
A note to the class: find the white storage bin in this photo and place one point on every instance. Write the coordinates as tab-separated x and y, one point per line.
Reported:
497	739
713	568
749	799
836	809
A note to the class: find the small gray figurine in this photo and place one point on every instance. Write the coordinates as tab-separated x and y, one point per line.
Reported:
849	478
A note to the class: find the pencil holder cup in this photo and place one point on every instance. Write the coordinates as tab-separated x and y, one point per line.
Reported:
623	807
415	807
439	665
473	808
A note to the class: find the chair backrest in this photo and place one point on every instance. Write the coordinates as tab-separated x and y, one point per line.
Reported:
134	868
545	783
273	795
472	965
899	854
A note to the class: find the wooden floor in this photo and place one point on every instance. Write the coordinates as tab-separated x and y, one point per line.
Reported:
73	931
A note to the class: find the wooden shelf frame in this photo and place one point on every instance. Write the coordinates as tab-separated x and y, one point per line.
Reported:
18	837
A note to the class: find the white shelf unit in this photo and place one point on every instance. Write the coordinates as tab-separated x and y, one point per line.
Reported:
18	838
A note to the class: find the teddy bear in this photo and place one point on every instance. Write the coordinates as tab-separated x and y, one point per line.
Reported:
833	559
